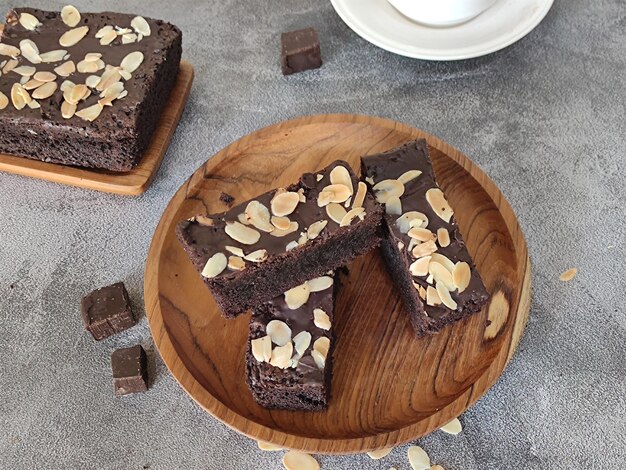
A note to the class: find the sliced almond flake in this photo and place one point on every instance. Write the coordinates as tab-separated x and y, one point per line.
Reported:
441	275
102	31
322	345
444	295
9	51
418	458
125	75
281	356
443	237
215	265
350	216
68	110
348	202
76	94
298	296
335	212
236	263
321	319
32	84
257	256
243	219
319	177
122	31
53	56
333	193
29	22
567	275
407	176
303	238
320	283
453	427
203	220
124	94
421	234
235	250
73	36
33	104
291	245
4	101
91	113
400	245
262	348
420	267
9	65
461	275
45	91
379	453
294	460
279	332
301	195
439	204
293	227
30	51
424	249
111	93
268	447
393	206
432	297
87	67
70	16
241	233
19	97
108	38
387	189
92	57
129	38
65	69
340	175
67	85
45	76
25	70
359	198
316	228
284	203
302	341
132	61
140	25
259	216
405	221
420	290
443	260
281	223
319	358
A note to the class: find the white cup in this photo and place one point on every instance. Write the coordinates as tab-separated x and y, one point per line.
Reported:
441	12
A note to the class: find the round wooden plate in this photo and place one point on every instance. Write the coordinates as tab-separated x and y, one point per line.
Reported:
388	387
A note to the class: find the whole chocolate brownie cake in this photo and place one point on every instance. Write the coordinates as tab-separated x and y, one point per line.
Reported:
84	89
280	239
290	348
423	250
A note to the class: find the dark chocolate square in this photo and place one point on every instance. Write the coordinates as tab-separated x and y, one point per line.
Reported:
107	311
130	370
300	50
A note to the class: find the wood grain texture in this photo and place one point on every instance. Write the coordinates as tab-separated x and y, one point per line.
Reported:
388	387
131	183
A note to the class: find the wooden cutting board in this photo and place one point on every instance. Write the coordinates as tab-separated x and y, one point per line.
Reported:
131	183
388	387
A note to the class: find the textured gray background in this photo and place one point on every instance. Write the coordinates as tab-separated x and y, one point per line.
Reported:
544	118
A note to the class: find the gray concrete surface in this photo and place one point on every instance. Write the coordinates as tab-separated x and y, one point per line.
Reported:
544	118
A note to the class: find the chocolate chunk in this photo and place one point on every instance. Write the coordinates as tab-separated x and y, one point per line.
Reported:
300	50
107	311
226	198
130	370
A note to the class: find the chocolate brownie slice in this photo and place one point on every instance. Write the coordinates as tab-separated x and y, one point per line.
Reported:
84	89
290	348
423	248
264	247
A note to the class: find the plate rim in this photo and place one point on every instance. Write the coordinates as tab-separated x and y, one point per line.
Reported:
258	431
533	22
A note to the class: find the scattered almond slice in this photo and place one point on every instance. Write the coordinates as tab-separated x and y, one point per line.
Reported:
320	283
421	234
132	61
379	453
25	70
53	56
109	78
284	203
350	216
45	77
30	51
87	67
259	216
293	226
215	265
340	175
298	296
568	275
9	51
33	104
108	38
461	275
411	219
439	204
77	93
268	447
103	31
322	345
359	198
241	233
68	110
443	260
257	256
140	25
92	81
236	263
281	223
319	358
443	237
453	427
291	245
444	295
424	249
432	296
321	319
67	85
302	341
29	22
70	16
65	69
409	176
294	460
418	458
441	275
262	348
335	212
279	332
10	65
281	355
337	193
32	84
235	250
393	206
387	189
45	91
129	38
19	97
316	228
73	36
4	101
420	267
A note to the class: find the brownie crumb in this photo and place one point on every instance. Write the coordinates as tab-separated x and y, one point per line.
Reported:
130	370
300	51
107	311
227	199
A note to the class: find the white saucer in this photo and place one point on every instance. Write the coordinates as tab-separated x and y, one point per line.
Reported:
506	22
